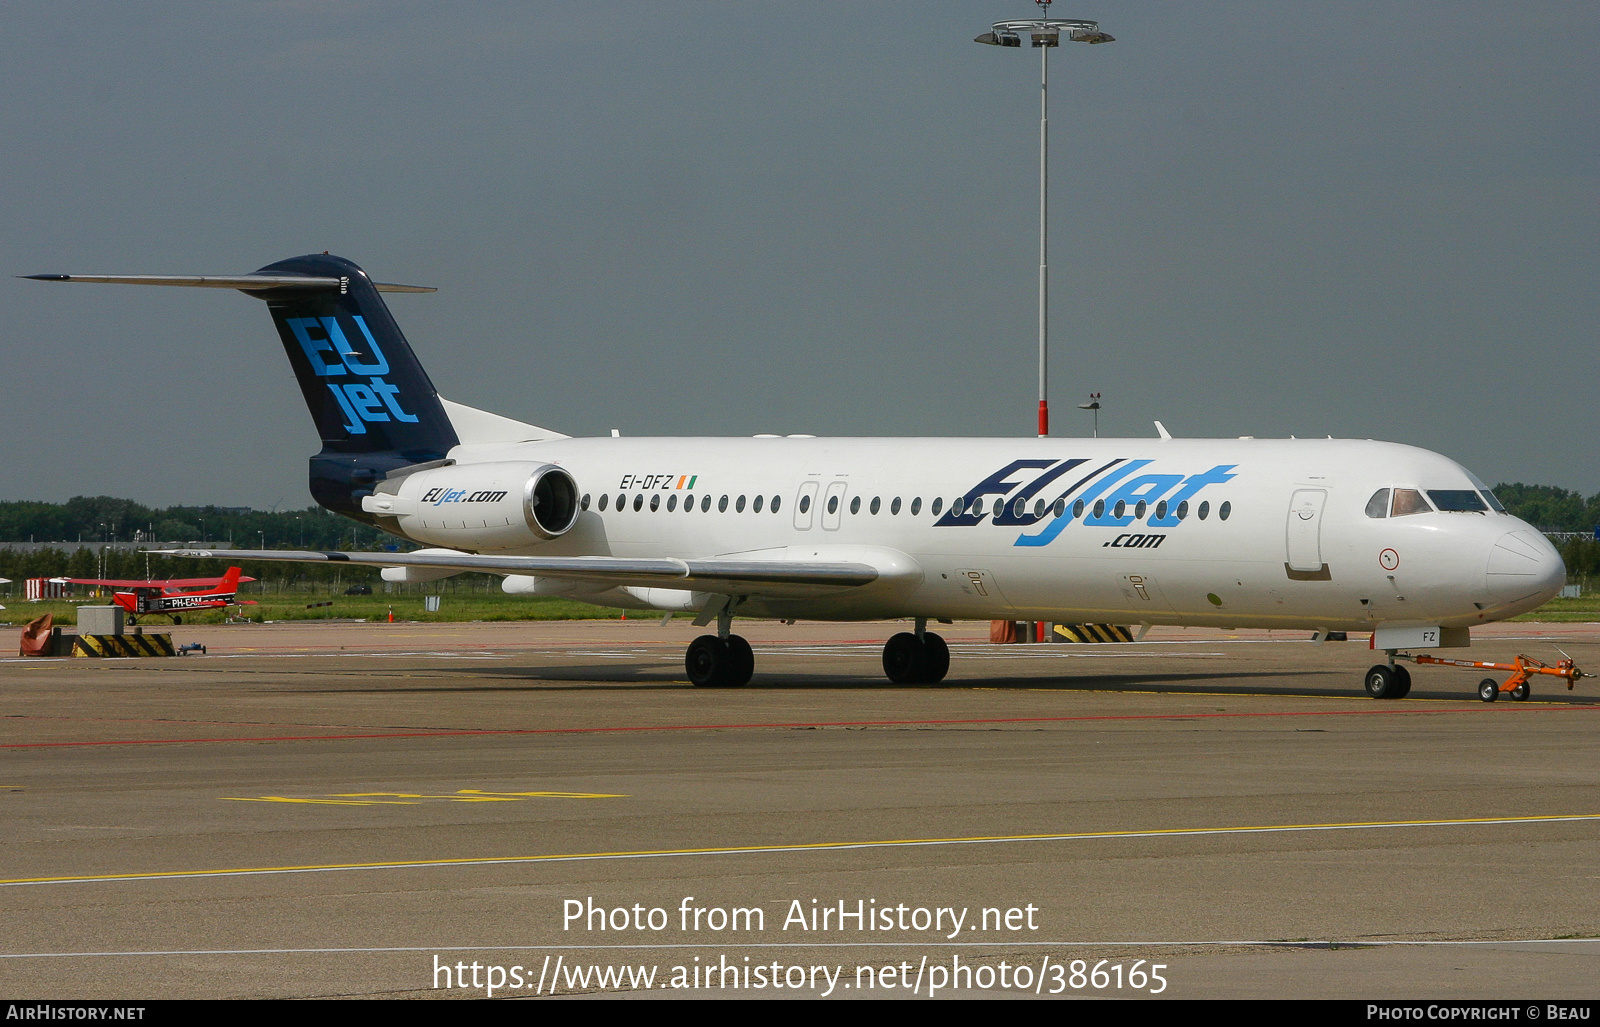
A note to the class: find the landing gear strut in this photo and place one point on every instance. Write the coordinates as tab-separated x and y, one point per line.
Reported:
916	658
723	660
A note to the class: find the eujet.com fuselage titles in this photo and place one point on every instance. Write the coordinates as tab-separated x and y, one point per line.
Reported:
1319	534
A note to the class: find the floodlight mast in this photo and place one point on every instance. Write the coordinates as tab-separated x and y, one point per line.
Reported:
1044	32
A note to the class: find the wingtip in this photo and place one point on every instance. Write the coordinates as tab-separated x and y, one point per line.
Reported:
48	278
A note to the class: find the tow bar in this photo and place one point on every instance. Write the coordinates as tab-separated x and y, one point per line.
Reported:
1521	669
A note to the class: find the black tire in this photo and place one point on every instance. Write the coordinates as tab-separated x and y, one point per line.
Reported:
1521	692
177	620
707	662
1488	690
131	621
904	659
936	657
1402	682
741	662
1381	681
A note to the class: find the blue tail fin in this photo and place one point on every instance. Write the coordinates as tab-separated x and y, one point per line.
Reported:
373	404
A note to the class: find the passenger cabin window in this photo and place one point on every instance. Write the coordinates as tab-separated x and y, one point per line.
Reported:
1224	510
1457	500
722	504
584	505
1378	505
672	503
605	498
855	505
938	504
755	504
775	501
894	507
1408	501
805	504
738	505
877	504
638	502
1205	509
916	506
655	502
705	503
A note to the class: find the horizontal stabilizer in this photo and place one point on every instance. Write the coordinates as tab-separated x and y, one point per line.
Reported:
249	283
734	577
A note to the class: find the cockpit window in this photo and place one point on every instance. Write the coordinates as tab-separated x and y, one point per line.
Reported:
1408	501
1378	505
1457	500
1492	500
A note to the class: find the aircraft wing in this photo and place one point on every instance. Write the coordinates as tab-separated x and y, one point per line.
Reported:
131	583
724	576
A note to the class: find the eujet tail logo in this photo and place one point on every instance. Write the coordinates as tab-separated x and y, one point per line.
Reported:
1108	495
363	403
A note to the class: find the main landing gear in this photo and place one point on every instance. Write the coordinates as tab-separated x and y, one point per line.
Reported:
714	662
916	658
723	660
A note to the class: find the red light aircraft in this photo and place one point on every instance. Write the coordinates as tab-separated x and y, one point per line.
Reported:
168	598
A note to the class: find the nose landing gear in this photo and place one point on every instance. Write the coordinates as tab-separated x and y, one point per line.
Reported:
1388	681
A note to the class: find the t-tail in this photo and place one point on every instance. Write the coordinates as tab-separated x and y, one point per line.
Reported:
375	408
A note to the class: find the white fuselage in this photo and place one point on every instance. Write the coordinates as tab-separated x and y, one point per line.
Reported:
1297	547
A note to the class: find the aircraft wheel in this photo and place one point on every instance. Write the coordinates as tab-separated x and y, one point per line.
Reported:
1382	682
1520	693
936	656
742	662
131	621
177	620
1488	690
904	659
708	662
1402	680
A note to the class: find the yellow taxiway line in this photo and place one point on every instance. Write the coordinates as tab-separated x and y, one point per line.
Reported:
729	850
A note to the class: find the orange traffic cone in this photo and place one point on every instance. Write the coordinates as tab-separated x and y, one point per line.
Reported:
391	615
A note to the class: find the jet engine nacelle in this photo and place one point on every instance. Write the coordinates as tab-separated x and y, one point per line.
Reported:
479	507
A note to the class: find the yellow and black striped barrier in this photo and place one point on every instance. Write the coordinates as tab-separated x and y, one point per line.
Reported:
123	645
1092	633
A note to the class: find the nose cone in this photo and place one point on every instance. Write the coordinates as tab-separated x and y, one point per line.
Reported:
1525	569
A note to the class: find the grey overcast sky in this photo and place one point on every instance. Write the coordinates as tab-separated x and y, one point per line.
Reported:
1351	218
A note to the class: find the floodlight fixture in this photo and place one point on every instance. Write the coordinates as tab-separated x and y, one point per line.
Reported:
1045	34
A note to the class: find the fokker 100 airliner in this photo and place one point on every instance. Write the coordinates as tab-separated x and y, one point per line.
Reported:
1318	534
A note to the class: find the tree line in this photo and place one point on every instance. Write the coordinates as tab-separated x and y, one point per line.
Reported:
105	519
